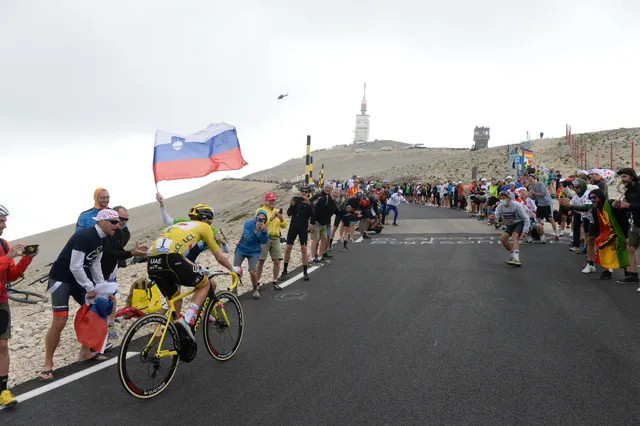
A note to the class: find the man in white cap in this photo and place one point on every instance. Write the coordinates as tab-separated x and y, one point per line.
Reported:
76	273
596	179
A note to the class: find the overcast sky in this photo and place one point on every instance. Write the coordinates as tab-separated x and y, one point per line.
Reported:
84	85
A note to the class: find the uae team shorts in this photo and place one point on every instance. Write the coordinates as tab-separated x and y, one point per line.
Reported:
60	294
170	271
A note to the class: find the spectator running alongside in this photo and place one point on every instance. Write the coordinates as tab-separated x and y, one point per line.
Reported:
75	273
392	205
517	225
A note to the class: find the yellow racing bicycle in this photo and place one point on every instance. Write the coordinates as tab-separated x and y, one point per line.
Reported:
151	348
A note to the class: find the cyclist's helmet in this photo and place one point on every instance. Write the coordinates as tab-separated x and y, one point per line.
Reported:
3	211
201	212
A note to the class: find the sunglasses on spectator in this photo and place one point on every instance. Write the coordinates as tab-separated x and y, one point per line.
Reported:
124	219
593	197
114	222
304	192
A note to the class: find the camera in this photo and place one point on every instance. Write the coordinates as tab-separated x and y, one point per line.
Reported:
30	249
261	220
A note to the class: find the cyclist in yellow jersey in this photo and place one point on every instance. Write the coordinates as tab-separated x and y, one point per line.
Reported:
169	267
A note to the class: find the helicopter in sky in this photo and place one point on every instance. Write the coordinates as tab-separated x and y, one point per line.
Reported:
283	96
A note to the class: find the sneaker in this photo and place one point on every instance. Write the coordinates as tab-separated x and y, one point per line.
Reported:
184	329
395	224
109	346
256	294
276	286
345	248
555	237
284	274
629	280
543	239
305	277
514	262
588	269
316	260
327	255
7	399
606	275
366	237
574	249
530	240
508	261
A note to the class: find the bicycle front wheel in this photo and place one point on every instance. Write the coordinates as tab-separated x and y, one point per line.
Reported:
24	296
145	367
224	328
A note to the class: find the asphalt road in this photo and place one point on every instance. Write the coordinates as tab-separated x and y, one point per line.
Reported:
403	329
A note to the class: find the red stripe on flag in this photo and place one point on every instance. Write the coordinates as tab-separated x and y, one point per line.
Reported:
185	169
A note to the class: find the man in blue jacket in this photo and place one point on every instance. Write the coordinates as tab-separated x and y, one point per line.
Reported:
254	234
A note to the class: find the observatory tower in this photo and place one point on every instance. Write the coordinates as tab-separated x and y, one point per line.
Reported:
481	138
362	121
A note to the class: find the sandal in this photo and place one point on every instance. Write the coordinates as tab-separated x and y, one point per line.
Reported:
46	376
276	286
95	357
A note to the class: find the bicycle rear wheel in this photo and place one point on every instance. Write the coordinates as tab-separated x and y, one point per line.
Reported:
24	296
222	339
143	373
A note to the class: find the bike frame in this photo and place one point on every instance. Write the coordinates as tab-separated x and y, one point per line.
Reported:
160	353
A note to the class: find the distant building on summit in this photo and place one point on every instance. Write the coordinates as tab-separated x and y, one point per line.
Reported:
362	121
481	138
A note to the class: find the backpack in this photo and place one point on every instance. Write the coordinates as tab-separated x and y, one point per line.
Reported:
5	246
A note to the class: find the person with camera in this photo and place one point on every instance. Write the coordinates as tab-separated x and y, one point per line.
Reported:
76	273
254	235
275	223
300	212
323	208
9	271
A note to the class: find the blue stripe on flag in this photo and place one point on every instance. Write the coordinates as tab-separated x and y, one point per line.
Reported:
225	141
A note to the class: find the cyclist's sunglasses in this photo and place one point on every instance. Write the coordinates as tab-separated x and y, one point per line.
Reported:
114	222
123	219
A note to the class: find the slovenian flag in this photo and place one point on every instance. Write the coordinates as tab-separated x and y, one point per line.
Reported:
213	149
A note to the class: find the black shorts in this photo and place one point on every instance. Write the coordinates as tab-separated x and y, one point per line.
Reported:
543	212
337	219
516	227
60	293
295	232
593	230
170	271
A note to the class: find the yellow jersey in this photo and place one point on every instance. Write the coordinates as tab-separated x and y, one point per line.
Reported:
274	226
182	237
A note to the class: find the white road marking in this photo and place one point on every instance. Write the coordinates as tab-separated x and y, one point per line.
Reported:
297	277
61	382
359	240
